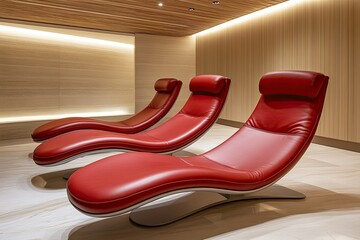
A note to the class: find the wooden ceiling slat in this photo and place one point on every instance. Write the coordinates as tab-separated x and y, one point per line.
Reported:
132	16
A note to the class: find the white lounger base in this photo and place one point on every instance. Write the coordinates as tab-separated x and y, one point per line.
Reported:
165	212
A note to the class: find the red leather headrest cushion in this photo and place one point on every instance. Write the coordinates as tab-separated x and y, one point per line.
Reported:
165	84
207	84
299	83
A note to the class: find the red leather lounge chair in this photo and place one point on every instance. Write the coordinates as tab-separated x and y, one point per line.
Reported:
198	115
269	144
167	90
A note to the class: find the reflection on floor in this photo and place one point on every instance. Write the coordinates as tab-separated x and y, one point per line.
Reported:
33	202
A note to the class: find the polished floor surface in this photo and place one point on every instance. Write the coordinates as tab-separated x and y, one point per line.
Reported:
33	202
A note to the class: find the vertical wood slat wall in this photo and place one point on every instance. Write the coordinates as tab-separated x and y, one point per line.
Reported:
161	57
44	77
317	35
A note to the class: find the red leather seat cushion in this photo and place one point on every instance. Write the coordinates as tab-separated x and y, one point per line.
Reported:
123	180
118	182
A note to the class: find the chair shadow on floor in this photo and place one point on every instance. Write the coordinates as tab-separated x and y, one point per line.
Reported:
52	180
220	219
57	179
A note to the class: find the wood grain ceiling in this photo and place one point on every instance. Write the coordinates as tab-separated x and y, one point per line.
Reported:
132	16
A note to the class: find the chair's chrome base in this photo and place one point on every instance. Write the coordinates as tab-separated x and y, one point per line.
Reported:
170	211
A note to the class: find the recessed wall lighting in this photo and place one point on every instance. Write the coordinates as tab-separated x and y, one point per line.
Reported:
216	2
160	4
52	36
111	113
278	7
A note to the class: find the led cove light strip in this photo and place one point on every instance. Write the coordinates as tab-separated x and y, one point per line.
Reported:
272	9
58	116
30	33
45	35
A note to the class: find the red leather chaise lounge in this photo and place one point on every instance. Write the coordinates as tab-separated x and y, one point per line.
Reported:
269	144
167	90
198	114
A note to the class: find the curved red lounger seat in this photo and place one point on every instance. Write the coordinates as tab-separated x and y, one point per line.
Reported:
198	114
167	91
269	144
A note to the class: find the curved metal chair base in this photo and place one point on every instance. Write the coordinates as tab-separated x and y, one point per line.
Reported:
164	211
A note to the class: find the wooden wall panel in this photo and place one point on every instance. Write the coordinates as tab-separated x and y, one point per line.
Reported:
354	86
317	35
45	77
159	57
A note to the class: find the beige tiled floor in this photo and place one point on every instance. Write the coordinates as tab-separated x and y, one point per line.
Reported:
33	202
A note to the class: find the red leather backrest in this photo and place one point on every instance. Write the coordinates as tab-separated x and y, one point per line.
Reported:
279	130
299	83
208	94
167	92
211	84
198	114
290	102
165	84
164	87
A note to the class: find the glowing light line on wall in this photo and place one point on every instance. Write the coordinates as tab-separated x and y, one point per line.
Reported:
24	32
45	35
58	116
262	12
